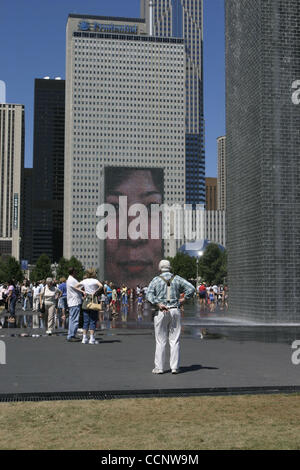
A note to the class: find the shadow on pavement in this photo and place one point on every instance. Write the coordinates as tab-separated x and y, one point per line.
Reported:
195	367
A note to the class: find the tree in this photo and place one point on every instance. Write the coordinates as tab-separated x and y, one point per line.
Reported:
77	265
64	265
42	268
184	265
213	265
10	268
63	268
2	271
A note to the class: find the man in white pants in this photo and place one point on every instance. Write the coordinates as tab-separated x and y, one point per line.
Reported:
164	292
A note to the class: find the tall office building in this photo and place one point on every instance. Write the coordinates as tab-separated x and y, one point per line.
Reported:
262	159
48	168
27	190
184	19
211	188
124	128
221	142
11	170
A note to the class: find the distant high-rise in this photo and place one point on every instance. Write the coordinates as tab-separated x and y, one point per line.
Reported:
12	137
48	168
262	159
221	173
27	190
184	19
211	187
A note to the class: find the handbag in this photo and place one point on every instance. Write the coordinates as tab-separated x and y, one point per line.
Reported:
89	304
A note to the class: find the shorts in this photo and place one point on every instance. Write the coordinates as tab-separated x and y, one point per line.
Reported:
90	318
62	302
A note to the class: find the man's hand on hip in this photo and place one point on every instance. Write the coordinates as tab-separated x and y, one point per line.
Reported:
163	308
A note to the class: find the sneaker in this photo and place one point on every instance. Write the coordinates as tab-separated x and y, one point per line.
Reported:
49	332
85	340
157	371
73	340
175	371
93	341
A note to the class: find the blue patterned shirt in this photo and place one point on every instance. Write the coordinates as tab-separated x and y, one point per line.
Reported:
157	290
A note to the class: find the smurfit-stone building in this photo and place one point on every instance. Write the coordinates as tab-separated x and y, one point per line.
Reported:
262	159
125	107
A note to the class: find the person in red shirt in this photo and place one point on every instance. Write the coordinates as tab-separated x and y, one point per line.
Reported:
202	296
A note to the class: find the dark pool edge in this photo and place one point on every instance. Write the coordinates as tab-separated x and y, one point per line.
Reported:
168	393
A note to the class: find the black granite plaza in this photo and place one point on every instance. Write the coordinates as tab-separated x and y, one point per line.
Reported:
216	353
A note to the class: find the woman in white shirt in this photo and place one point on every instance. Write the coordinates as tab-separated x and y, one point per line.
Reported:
49	295
89	286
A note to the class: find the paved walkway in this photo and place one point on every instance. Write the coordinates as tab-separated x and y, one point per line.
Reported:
123	360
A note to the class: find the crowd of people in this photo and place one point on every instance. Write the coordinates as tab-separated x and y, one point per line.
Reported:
211	297
51	303
46	303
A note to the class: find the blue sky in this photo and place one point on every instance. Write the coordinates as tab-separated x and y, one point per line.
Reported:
32	45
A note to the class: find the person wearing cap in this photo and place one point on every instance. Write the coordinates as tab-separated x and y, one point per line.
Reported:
164	292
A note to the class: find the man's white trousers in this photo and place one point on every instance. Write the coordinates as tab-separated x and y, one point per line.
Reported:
167	326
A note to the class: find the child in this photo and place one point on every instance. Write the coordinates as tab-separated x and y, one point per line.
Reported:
140	303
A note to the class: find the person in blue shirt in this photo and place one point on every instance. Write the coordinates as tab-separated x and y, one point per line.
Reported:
164	291
62	301
108	291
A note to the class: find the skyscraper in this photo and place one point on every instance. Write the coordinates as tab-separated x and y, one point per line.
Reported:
211	187
184	19
48	168
27	190
12	137
221	142
262	159
124	117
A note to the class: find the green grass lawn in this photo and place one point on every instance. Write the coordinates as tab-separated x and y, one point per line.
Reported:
239	422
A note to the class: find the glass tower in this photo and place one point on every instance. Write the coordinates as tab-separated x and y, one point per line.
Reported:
184	19
48	168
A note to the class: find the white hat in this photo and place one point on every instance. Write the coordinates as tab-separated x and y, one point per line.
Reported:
164	265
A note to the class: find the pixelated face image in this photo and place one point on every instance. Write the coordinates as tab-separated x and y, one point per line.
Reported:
133	261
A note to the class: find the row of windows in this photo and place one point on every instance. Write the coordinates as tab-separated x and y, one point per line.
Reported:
176	122
97	75
121	37
146	126
173	90
113	101
127	46
134	56
119	135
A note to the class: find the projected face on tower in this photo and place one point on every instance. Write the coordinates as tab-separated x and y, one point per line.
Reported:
132	256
